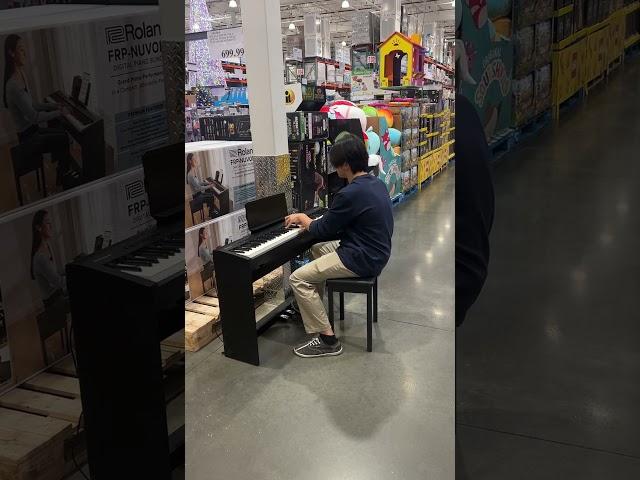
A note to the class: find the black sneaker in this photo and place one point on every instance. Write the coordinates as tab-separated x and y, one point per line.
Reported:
316	347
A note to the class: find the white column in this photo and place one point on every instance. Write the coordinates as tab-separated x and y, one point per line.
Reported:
265	76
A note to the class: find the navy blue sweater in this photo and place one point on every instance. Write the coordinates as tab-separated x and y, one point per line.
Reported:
361	218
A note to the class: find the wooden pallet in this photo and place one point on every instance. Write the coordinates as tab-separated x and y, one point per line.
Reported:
591	84
615	64
207	300
32	446
207	310
39	434
45	404
198	331
61	385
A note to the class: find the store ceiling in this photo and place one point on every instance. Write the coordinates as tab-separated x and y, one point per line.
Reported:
440	11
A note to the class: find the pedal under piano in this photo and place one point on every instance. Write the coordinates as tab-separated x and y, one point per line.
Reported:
124	301
240	263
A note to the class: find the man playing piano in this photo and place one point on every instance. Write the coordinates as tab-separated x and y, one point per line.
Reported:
355	241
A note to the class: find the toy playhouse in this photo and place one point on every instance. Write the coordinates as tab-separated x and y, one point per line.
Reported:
401	61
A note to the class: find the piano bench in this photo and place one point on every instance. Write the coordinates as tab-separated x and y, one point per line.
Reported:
369	286
25	162
197	206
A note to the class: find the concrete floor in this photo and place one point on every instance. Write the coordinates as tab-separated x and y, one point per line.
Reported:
382	415
548	360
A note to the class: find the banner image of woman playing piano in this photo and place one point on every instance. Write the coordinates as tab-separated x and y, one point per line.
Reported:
204	252
200	189
28	115
51	283
354	238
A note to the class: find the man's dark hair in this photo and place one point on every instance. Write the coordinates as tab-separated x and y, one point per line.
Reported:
349	149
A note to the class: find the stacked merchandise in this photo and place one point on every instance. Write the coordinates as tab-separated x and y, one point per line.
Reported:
568	19
308	133
227	127
202	105
406	119
532	58
632	27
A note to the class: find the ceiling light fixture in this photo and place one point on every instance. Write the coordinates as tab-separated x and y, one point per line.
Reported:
233	4
318	21
344	44
345	3
292	26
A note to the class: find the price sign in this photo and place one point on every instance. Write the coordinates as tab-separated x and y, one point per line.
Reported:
371	59
226	44
299	71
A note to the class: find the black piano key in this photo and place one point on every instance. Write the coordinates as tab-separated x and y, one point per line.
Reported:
149	258
127	268
156	254
133	261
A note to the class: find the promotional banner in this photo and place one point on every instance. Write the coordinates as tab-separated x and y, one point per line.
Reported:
129	64
97	83
486	72
219	179
37	243
201	240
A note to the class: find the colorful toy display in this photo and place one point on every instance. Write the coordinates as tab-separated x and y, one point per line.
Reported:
373	144
370	111
486	63
395	52
395	135
342	110
388	116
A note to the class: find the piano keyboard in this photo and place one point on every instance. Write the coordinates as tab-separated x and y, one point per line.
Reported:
76	118
155	261
263	242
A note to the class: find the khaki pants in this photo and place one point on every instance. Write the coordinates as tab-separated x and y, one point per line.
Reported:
308	284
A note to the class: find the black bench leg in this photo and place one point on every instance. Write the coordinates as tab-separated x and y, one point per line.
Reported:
341	305
19	190
369	322
44	183
330	293
375	302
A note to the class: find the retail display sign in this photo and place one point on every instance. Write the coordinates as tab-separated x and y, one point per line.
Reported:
292	97
107	212
226	44
297	54
129	62
486	71
228	167
107	70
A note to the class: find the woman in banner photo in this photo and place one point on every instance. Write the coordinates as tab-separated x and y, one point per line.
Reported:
204	252
28	114
50	281
200	189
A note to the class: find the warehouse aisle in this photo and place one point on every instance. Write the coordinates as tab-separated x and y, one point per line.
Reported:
386	414
548	359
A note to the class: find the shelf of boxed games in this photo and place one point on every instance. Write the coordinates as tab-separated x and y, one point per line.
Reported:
585	57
